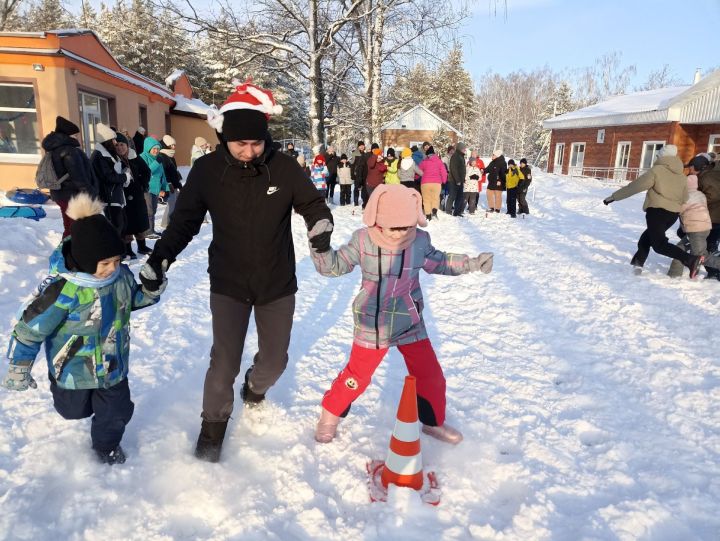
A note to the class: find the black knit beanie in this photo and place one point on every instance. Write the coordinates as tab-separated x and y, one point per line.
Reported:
430	150
63	125
93	239
244	125
120	138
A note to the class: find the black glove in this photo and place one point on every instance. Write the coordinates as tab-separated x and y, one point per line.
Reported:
152	273
608	200
320	235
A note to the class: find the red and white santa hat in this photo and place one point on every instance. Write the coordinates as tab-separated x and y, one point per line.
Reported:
242	107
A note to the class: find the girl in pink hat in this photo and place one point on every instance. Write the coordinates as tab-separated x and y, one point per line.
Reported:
387	312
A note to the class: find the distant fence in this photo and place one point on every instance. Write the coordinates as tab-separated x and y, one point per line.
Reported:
610	175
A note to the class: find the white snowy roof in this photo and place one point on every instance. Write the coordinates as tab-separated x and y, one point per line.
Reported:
133	78
692	104
190	105
174	76
418	118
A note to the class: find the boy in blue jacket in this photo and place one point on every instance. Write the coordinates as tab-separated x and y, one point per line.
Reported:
81	313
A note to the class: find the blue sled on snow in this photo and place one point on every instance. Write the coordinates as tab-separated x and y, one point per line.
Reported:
34	213
27	196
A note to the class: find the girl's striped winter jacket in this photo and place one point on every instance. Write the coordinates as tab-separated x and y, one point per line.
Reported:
388	310
84	323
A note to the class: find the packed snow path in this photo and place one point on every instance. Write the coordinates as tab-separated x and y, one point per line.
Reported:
589	399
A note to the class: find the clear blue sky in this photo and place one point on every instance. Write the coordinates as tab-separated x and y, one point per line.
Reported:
573	33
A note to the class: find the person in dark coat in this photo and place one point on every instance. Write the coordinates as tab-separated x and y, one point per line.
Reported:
290	150
359	174
456	178
113	176
139	140
136	215
331	162
68	158
496	172
250	190
523	187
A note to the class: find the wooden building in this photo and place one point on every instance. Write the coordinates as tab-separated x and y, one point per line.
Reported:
72	74
415	126
619	138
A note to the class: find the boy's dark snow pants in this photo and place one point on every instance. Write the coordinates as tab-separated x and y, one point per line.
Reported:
230	320
111	409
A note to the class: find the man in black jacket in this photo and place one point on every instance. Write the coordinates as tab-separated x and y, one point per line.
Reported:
250	189
68	158
456	178
496	172
359	174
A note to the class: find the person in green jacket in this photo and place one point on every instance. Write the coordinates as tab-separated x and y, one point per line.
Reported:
158	182
81	313
667	192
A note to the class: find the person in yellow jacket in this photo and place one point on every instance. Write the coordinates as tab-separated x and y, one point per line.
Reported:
512	179
391	175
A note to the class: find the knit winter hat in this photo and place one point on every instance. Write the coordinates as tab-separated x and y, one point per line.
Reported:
169	140
692	181
200	142
141	130
244	115
394	205
120	138
430	150
104	133
361	143
343	157
668	150
511	162
319	160
406	153
497	152
699	163
63	125
92	237
461	148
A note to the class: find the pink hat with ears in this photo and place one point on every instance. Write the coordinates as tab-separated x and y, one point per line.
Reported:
394	205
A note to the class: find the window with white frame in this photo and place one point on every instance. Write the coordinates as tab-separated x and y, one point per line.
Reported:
93	110
559	156
714	143
649	153
577	158
19	137
622	158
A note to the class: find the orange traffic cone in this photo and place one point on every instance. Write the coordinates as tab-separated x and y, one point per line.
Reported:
403	466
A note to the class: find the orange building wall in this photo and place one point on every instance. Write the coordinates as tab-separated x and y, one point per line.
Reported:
185	129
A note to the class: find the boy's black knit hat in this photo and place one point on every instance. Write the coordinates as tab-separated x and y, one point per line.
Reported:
63	125
93	239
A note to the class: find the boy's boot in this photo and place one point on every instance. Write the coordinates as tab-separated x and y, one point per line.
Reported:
428	217
210	440
129	251
116	456
326	427
444	433
143	247
434	213
250	397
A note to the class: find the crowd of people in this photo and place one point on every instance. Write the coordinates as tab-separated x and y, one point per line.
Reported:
250	187
130	175
452	184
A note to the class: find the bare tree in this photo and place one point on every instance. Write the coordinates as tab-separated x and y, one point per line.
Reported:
607	77
295	36
8	11
661	78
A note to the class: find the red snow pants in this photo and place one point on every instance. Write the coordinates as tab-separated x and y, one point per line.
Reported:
421	362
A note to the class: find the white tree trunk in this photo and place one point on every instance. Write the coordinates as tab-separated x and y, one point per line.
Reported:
317	123
376	76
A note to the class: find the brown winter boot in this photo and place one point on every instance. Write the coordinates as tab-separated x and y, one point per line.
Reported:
210	440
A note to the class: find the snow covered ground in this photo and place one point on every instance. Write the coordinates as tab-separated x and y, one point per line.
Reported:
589	398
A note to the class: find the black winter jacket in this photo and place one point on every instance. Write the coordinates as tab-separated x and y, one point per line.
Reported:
111	182
169	164
331	162
524	183
457	169
135	209
68	157
252	256
496	171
